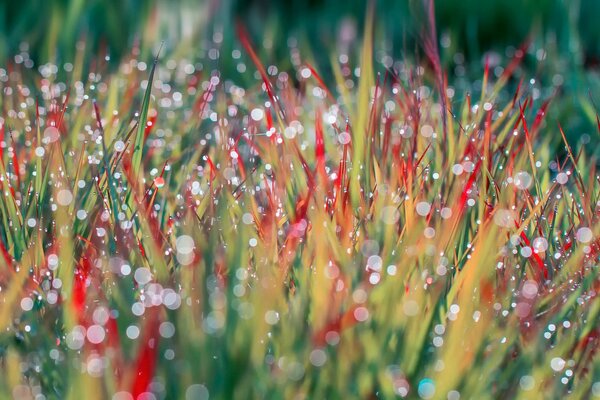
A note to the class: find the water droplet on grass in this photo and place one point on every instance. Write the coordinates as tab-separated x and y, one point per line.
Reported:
457	169
361	314
95	334
562	178
344	138
540	244
426	388
271	317
429	232
257	114
132	332
523	180
530	289
52	261
81	215
119	146
446	212
318	357
557	364
51	134
423	208
159	182
142	276
26	304
64	197
196	392
526	251
166	329
584	234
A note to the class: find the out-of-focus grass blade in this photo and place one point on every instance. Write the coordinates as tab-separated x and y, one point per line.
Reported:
136	158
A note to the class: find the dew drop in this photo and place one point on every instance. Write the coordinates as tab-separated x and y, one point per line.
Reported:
95	334
457	169
530	289
64	197
557	364
584	234
361	314
344	138
257	114
562	178
159	181
426	388
119	146
196	392
184	244
540	244
142	276
51	134
523	180
446	212
26	304
318	357
423	208
526	251
271	317
132	332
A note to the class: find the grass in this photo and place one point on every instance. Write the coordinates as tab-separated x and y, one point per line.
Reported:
168	234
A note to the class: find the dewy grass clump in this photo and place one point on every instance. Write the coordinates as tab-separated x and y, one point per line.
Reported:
166	234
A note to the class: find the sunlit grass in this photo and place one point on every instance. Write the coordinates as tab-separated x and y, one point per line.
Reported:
167	232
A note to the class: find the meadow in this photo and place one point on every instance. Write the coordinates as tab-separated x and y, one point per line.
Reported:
374	228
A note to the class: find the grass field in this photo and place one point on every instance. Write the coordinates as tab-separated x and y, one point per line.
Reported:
386	229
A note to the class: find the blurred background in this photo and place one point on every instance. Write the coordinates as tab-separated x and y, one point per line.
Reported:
564	57
51	27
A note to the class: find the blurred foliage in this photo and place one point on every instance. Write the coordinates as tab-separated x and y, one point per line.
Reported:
49	31
262	304
240	266
52	27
